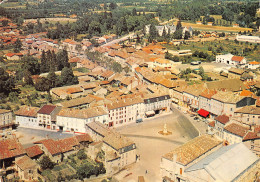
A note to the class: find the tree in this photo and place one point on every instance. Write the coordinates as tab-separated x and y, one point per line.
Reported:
5	23
116	67
152	33
112	6
46	163
43	65
6	83
164	33
43	84
177	34
30	64
179	26
81	154
121	26
18	45
28	78
134	13
67	77
52	77
187	35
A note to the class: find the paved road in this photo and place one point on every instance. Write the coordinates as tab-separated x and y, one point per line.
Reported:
118	40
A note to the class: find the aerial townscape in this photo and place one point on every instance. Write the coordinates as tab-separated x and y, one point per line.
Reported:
136	91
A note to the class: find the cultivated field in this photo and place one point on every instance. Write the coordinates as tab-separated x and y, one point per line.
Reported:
215	28
53	20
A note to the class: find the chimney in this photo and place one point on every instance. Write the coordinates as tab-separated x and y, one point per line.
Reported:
174	157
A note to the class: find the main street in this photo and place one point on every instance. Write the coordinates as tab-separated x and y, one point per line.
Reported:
151	145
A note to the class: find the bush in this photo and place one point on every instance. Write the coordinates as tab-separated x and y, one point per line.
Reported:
46	163
81	154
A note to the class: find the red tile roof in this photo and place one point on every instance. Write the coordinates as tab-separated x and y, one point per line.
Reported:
50	145
236	129
212	124
46	109
33	151
84	138
246	93
26	163
10	148
237	58
222	119
27	111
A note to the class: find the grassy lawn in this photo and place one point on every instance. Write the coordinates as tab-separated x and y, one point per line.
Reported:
13	5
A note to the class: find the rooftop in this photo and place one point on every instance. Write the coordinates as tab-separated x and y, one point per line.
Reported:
227	97
249	110
222	119
47	109
236	129
193	149
26	162
117	141
33	151
10	148
27	111
227	163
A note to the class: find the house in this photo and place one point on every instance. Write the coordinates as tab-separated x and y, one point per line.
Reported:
253	65
233	85
11	150
205	99
27	117
228	102
125	111
27	168
248	115
97	130
58	150
252	139
13	56
230	59
46	116
174	163
34	152
234	73
229	163
218	126
167	28
75	120
156	104
235	132
6	119
120	152
191	96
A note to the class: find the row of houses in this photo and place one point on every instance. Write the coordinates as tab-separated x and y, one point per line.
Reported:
111	112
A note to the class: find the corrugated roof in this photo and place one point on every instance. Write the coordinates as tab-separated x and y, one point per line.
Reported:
227	163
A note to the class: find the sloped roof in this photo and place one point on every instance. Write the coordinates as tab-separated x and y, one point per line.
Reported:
27	111
117	141
222	119
26	162
249	110
236	70
237	58
47	109
193	149
227	163
236	129
10	148
229	85
33	151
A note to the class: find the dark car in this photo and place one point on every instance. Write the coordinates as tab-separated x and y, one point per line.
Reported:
196	118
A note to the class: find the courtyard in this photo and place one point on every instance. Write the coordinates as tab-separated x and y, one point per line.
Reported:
151	145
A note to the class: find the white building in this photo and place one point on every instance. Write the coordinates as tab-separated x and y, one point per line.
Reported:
230	59
174	163
157	104
75	120
125	111
46	116
253	65
229	163
246	38
6	119
27	117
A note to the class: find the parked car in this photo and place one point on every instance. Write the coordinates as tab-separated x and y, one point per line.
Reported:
196	118
192	115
